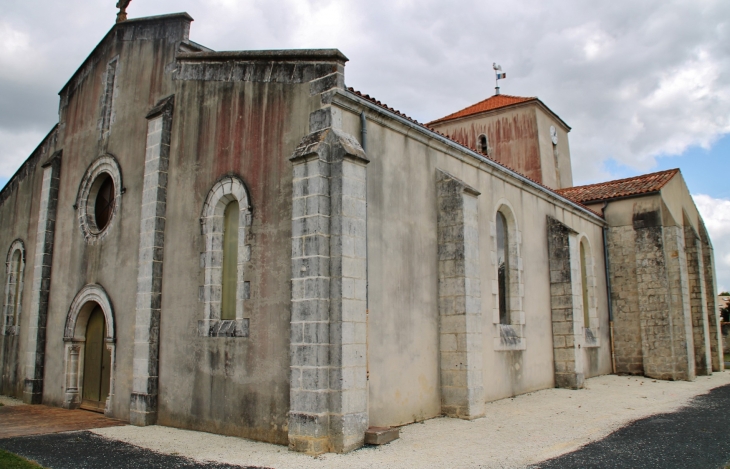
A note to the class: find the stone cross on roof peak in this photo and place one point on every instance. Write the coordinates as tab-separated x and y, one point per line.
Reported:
122	5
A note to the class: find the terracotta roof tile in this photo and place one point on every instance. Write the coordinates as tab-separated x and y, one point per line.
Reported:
619	188
489	104
426	126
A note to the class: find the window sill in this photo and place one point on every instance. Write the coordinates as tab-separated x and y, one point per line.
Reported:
223	327
509	339
591	339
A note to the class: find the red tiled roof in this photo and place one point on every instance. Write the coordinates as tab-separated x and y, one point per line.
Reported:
619	188
489	104
426	126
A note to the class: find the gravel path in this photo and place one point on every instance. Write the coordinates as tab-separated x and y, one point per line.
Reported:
696	436
75	450
515	433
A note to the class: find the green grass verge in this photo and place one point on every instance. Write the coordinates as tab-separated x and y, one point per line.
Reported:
12	461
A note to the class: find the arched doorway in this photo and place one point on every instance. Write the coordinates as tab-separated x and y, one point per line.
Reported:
90	345
97	363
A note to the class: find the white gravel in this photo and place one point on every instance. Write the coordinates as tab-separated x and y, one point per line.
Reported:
516	432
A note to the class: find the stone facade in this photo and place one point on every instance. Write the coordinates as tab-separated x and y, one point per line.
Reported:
566	304
143	406
460	345
359	278
698	302
40	290
625	300
328	328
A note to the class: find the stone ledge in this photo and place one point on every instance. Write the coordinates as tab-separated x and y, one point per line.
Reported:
223	327
381	435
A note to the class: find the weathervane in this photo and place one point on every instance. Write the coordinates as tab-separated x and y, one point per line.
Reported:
499	74
122	5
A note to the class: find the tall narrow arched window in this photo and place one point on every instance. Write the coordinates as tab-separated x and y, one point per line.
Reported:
230	261
503	268
15	266
584	283
483	144
225	221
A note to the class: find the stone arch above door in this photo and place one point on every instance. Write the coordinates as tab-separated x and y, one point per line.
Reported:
74	337
81	307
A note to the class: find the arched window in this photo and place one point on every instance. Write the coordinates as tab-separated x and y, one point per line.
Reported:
483	144
225	220
591	323
503	268
584	283
14	267
507	289
230	261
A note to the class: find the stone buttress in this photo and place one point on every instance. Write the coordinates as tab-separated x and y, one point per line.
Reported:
565	303
460	315
328	394
40	290
143	405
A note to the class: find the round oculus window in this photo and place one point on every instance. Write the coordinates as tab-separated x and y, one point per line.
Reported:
104	201
99	198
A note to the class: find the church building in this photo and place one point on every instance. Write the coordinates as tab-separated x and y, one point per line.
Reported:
235	242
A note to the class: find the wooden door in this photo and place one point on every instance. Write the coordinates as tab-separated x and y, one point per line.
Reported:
97	364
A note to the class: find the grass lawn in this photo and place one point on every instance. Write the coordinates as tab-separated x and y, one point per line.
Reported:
11	461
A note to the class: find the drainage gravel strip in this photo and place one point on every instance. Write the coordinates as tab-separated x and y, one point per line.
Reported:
516	432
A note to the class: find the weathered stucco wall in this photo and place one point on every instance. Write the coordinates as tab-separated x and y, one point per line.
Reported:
550	153
512	135
19	204
235	385
142	79
403	329
518	137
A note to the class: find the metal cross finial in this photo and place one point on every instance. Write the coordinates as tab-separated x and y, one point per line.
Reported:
122	5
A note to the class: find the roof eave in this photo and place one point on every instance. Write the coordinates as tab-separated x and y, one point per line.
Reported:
501	108
433	134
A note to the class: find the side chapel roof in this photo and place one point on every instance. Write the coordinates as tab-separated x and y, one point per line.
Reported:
637	185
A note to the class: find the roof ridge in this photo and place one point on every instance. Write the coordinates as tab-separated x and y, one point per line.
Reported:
617	181
462	113
425	126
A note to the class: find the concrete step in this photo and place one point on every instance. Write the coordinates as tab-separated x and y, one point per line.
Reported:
381	435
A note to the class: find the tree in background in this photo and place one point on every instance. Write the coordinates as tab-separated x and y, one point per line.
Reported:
725	311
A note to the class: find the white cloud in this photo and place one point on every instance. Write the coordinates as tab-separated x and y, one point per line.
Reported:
634	79
716	213
15	147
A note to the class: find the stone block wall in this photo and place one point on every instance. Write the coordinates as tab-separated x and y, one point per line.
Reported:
566	305
698	302
143	406
328	393
651	298
40	289
713	314
625	300
460	340
680	314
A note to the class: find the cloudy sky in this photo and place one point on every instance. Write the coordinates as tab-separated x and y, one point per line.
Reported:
644	85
